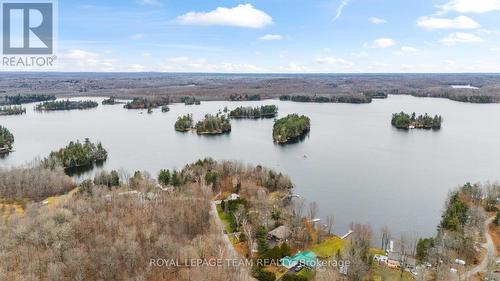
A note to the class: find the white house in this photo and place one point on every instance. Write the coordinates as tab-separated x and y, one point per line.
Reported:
232	197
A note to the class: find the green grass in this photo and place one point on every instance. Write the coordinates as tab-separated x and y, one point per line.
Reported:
389	274
328	248
225	220
307	273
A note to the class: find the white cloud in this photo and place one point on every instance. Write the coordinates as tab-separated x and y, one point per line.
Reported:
243	15
472	6
81	60
187	64
333	60
405	50
271	37
376	20
340	9
381	43
360	55
459	37
460	22
137	36
136	67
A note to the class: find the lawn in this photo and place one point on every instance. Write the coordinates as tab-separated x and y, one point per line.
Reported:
329	247
225	220
380	273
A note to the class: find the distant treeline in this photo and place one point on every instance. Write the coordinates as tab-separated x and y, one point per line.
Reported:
406	121
77	154
254	112
12	110
6	139
357	99
66	105
20	99
235	97
147	103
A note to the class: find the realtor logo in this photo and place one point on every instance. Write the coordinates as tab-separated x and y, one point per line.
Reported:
28	28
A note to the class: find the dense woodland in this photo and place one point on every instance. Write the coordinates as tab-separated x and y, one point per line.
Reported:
184	123
290	128
65	105
77	154
404	120
213	125
190	100
6	139
146	103
27	98
12	110
328	99
264	111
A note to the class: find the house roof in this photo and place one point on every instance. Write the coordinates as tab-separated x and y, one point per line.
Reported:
281	232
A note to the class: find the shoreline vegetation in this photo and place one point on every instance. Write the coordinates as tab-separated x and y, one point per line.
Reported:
264	111
356	99
66	105
111	101
12	110
147	103
290	128
21	99
6	140
406	121
190	101
77	154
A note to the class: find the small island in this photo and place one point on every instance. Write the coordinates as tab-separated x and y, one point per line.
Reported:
290	128
66	105
12	110
77	154
111	101
213	125
190	101
146	103
165	108
265	111
20	99
351	98
406	121
6	140
184	123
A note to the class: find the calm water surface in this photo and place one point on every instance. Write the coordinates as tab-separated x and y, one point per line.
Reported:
357	167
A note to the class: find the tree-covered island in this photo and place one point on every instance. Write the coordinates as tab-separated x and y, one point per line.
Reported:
77	154
111	101
12	110
290	128
66	105
6	140
184	123
20	99
190	101
146	103
352	98
213	125
406	121
264	111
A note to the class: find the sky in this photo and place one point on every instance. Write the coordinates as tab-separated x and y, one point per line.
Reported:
279	36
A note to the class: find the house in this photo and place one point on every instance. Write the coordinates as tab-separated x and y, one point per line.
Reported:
232	197
280	233
308	259
395	260
381	258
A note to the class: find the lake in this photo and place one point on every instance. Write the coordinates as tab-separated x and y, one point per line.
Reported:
353	163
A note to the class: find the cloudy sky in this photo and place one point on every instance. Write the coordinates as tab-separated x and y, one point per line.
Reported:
333	36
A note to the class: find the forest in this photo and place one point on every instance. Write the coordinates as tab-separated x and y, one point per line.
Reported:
12	110
6	139
264	111
328	99
184	123
404	120
290	128
213	125
190	100
77	154
65	105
